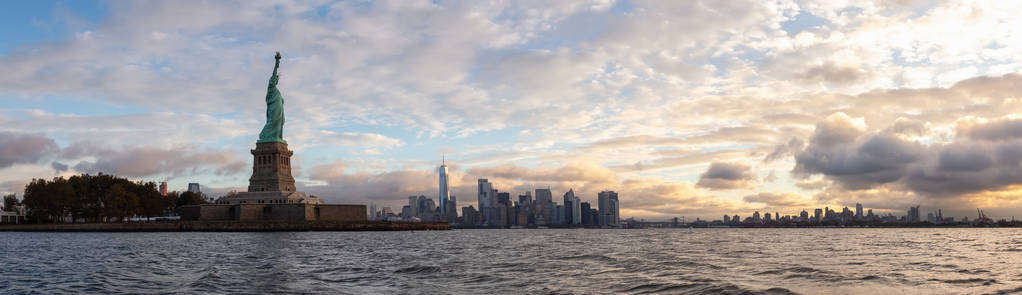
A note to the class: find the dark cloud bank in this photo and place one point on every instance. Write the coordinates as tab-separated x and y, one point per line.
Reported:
16	148
982	156
724	176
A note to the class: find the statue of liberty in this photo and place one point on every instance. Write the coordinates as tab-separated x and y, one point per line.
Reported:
273	131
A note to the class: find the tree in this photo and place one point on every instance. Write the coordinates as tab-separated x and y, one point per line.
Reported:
11	203
48	200
190	198
36	199
170	201
63	197
149	199
119	202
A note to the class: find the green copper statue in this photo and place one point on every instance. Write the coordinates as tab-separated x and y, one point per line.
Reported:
273	131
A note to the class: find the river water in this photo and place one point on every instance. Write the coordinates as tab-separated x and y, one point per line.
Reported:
559	261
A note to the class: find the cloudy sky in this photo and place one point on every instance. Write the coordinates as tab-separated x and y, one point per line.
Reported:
686	108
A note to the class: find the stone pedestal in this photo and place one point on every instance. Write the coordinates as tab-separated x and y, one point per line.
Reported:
271	168
271	182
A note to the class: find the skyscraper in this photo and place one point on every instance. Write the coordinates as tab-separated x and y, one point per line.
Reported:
194	188
615	209
572	208
470	216
406	212
485	194
913	214
527	207
544	206
424	206
163	188
608	203
452	209
576	213
413	206
445	193
525	200
858	211
558	215
587	218
503	218
504	198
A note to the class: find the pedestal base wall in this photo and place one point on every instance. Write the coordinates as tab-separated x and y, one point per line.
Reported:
275	212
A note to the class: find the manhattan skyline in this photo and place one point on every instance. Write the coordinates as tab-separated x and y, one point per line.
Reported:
685	109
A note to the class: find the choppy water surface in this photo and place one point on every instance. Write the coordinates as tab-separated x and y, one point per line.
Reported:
730	261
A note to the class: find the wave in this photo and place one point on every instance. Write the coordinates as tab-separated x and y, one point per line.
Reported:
596	257
1008	291
341	269
797	269
931	265
717	288
349	280
968	281
691	264
482	278
418	270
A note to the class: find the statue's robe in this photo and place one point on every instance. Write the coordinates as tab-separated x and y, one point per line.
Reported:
273	131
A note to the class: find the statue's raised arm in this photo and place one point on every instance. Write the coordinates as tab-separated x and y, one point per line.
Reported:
276	64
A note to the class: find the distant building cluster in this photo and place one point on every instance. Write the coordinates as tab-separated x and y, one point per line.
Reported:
497	209
846	216
827	217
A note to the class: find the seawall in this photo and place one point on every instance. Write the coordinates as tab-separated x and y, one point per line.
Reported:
226	226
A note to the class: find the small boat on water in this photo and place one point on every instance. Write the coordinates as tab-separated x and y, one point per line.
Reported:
689	229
